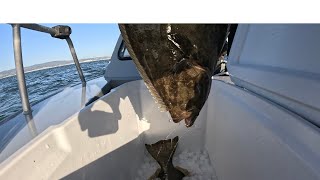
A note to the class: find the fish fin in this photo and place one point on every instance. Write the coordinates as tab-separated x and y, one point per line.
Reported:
141	70
184	171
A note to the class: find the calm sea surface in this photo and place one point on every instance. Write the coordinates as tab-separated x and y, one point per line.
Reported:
43	83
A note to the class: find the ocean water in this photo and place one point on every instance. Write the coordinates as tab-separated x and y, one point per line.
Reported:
44	83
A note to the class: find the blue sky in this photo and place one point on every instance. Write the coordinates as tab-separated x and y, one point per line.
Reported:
90	40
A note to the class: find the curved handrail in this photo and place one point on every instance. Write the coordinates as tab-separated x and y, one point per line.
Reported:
61	32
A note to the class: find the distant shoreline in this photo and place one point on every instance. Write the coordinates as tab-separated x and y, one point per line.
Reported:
49	67
86	61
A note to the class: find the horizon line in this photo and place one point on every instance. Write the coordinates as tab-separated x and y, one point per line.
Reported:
54	61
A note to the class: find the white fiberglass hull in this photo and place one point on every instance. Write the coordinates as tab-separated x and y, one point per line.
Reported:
246	137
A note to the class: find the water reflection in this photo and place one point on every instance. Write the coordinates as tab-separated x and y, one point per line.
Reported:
31	125
83	96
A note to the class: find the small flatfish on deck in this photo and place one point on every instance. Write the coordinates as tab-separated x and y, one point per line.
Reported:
163	151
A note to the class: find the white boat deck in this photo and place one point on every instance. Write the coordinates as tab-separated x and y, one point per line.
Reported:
246	137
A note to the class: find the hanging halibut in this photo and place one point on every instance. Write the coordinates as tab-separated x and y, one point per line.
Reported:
176	61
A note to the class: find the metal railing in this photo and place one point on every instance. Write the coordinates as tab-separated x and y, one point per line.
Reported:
61	32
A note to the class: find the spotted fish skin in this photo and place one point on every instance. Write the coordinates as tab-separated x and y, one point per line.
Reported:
176	61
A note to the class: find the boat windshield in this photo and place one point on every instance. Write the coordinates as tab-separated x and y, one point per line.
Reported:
123	53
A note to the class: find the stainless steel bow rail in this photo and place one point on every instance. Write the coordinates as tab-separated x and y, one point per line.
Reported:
60	32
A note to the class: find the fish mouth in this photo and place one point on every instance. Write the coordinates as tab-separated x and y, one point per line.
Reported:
190	121
188	118
191	117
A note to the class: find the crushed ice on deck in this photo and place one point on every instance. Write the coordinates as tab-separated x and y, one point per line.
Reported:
196	162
